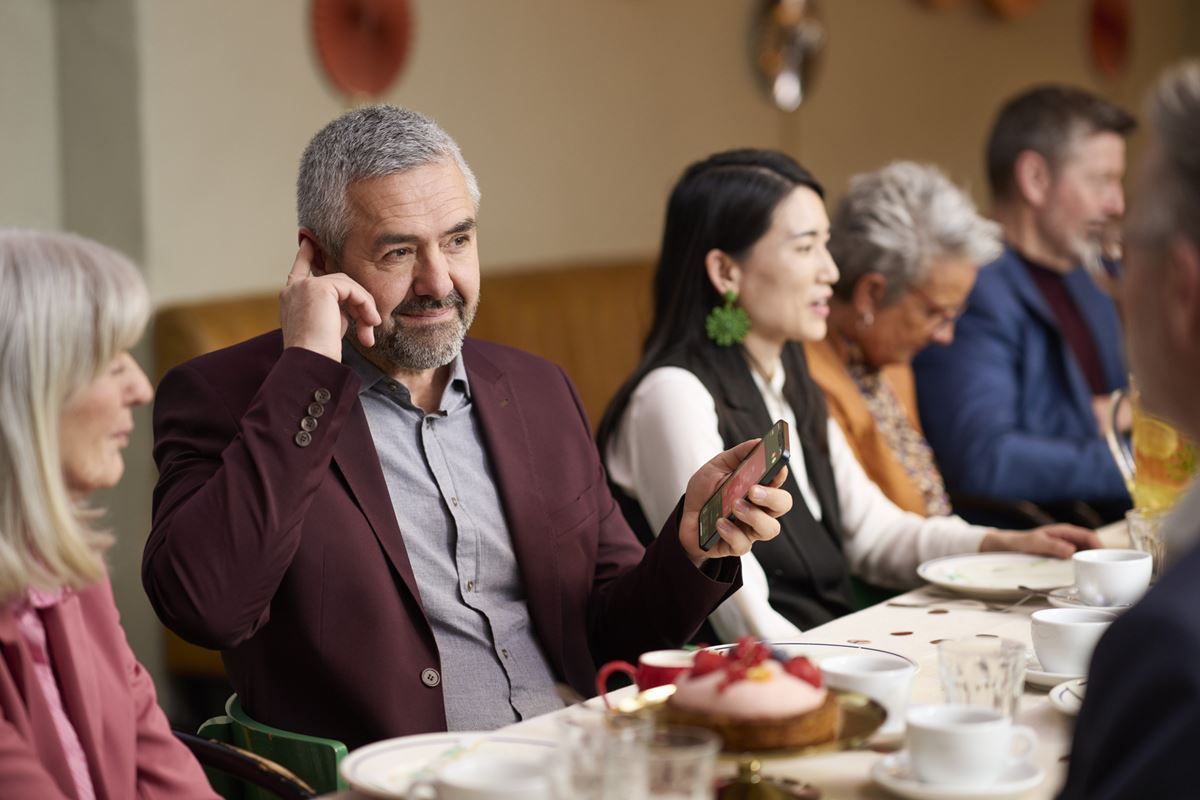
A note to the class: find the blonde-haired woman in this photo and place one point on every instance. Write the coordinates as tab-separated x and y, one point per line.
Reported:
78	715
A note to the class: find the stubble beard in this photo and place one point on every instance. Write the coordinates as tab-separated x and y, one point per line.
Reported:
420	347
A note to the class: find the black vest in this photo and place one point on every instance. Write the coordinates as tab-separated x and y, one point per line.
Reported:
807	572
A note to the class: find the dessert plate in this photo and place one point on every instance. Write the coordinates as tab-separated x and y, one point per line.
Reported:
997	576
386	769
1068	696
1068	597
1040	678
894	774
818	651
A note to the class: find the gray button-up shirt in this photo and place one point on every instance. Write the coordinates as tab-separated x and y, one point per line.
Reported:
449	512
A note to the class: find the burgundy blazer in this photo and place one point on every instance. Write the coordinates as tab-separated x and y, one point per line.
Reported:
109	699
289	559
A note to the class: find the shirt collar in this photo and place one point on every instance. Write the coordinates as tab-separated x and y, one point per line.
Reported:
370	375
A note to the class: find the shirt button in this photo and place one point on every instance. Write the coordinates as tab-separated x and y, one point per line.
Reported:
308	424
303	438
504	653
470	586
315	409
430	677
322	395
454	501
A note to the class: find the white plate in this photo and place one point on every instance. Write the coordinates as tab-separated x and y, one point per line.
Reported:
996	576
893	773
1068	597
385	769
819	651
1036	676
1067	697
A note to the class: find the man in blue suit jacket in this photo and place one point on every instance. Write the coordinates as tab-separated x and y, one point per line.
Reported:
1015	406
1137	731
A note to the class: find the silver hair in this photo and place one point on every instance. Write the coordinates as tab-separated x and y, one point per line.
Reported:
68	308
1174	111
369	142
898	220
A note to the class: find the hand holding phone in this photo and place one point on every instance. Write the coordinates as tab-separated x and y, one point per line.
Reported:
760	467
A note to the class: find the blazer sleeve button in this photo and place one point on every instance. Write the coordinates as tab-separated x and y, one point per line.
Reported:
309	424
322	396
303	438
315	409
430	677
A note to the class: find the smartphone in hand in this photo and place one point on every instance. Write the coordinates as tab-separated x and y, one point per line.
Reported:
761	466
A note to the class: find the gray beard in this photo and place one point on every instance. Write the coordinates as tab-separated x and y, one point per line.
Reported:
426	346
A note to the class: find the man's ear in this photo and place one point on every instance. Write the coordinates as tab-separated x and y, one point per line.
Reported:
1031	174
320	265
723	272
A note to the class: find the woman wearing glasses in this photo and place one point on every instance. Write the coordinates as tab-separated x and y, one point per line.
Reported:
907	243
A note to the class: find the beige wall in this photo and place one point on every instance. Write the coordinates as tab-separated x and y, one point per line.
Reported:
29	160
902	81
175	128
575	114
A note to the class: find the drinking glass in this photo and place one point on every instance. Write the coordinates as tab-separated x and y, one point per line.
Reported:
987	672
681	762
602	755
1145	531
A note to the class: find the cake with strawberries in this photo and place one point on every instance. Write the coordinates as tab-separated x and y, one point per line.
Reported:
755	699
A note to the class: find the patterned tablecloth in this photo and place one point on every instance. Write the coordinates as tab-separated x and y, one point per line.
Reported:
910	624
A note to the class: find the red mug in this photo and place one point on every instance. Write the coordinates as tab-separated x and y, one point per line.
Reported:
656	668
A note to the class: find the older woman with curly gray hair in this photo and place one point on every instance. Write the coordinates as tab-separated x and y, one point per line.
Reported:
907	243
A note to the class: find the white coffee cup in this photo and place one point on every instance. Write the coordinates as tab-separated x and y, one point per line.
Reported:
490	778
964	745
1108	577
1064	638
885	679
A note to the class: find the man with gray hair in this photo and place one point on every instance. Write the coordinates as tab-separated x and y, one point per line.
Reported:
1136	733
388	528
1016	407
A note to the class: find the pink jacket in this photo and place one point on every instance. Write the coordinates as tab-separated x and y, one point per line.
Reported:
109	699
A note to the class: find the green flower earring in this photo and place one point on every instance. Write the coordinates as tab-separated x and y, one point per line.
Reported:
727	325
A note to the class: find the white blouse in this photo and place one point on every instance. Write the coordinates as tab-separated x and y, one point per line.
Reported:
670	429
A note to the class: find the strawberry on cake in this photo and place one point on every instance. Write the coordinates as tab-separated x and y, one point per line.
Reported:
755	700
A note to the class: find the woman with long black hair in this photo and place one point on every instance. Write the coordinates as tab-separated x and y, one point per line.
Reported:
744	276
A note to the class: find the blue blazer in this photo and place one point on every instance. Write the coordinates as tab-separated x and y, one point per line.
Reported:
1136	734
1006	406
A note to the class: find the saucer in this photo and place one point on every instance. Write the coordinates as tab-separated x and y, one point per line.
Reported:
1067	696
1068	597
893	773
1039	678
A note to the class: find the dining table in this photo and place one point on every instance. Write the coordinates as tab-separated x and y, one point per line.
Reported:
910	624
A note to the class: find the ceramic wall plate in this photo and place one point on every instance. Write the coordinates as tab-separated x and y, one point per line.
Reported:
997	576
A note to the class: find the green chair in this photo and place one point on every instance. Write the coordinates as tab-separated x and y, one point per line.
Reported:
311	758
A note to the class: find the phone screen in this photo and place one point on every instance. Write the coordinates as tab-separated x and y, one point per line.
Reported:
739	483
760	466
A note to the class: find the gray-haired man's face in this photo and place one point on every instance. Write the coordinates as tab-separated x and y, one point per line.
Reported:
412	245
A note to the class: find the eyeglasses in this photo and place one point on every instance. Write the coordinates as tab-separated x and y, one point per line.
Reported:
938	316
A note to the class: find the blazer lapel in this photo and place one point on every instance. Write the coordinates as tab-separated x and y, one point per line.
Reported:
1033	299
506	434
81	694
1099	312
355	457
